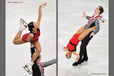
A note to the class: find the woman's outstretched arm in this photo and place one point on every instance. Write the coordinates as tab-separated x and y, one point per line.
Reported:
40	15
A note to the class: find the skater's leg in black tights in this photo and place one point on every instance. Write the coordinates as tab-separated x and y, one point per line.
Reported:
83	50
83	46
36	70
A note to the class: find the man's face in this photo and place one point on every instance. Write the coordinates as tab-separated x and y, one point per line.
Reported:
97	10
68	55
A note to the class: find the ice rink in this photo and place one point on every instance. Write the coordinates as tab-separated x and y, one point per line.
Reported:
70	20
18	55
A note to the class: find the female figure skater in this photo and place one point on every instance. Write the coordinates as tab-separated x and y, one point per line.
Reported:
83	32
32	36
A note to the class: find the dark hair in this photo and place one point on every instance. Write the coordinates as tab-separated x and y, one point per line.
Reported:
66	56
30	26
101	9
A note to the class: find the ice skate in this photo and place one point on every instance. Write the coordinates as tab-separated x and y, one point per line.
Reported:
23	25
28	69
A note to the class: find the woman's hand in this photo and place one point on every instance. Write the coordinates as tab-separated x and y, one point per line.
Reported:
84	14
43	4
39	59
92	34
64	48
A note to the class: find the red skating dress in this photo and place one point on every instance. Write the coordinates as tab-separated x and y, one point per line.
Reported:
35	38
73	43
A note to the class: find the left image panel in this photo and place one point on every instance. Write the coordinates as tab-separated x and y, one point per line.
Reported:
30	33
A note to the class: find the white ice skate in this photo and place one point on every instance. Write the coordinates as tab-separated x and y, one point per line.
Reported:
23	25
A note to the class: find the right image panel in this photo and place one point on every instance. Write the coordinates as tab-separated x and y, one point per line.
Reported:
83	37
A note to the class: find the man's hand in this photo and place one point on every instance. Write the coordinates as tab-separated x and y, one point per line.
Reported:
92	34
43	4
84	14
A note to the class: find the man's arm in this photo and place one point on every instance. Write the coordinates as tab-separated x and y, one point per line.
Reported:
88	17
48	63
97	27
85	16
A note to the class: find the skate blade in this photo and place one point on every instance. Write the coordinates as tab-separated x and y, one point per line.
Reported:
26	69
25	24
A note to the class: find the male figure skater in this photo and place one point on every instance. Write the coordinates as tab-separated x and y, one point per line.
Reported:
83	48
38	67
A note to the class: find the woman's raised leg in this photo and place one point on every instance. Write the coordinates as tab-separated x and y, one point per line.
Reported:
85	33
81	29
18	40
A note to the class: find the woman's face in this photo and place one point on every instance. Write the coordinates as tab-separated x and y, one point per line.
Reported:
68	55
34	30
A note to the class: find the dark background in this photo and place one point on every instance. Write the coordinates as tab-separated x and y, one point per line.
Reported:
2	37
